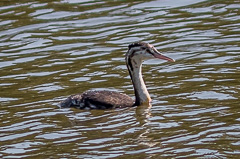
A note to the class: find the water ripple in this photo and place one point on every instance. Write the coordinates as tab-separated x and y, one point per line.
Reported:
50	50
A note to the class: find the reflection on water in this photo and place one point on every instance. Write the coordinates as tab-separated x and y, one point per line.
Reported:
50	50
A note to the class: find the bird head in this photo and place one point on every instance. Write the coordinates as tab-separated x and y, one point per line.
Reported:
140	51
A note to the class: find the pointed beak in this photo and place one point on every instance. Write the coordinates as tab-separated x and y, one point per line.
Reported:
158	55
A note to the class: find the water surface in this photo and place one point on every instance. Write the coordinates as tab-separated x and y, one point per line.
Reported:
49	50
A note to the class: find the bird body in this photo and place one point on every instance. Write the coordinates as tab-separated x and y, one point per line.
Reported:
136	54
98	100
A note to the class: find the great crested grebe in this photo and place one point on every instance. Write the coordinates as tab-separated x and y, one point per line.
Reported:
136	54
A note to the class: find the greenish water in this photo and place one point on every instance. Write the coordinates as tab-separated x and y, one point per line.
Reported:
49	50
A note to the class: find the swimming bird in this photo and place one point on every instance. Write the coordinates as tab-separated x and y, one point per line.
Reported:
136	54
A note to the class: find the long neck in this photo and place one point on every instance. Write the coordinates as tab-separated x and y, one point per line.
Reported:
140	90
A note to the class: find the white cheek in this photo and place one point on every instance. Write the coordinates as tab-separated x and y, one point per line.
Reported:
140	57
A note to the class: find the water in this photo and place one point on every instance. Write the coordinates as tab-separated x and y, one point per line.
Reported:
49	50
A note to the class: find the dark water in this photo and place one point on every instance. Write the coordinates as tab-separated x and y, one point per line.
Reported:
49	50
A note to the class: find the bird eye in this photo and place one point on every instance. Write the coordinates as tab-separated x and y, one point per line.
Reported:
149	50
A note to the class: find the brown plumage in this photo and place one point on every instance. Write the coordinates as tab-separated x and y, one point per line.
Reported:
98	100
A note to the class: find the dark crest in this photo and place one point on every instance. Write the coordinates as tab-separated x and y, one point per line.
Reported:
136	44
